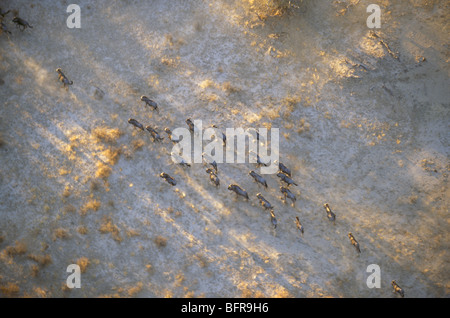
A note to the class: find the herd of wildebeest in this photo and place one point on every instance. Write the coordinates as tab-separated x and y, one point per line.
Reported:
284	172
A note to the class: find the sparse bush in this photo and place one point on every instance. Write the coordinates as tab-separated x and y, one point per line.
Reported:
108	135
82	229
18	249
270	8
109	227
103	171
69	209
133	290
137	144
40	292
132	232
160	241
34	270
230	88
83	262
95	185
249	292
10	289
60	233
63	171
67	191
92	204
303	126
111	155
42	260
202	261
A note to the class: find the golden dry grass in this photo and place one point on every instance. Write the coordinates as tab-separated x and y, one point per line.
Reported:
67	191
34	270
230	88
247	292
149	268
40	292
202	261
303	126
83	262
111	155
82	230
91	204
108	226
108	135
18	249
137	144
60	233
270	8
103	171
9	289
289	103
132	232
133	290
63	171
179	279
170	62
207	83
42	260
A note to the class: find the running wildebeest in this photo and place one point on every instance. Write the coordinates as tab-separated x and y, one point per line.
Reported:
397	289
258	178
190	125
284	169
169	133
135	123
63	78
354	242
299	225
21	23
154	133
331	216
213	177
264	203
238	190
209	160
288	194
286	179
168	178
150	102
273	219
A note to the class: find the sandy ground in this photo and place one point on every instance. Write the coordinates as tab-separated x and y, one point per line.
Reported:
364	126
